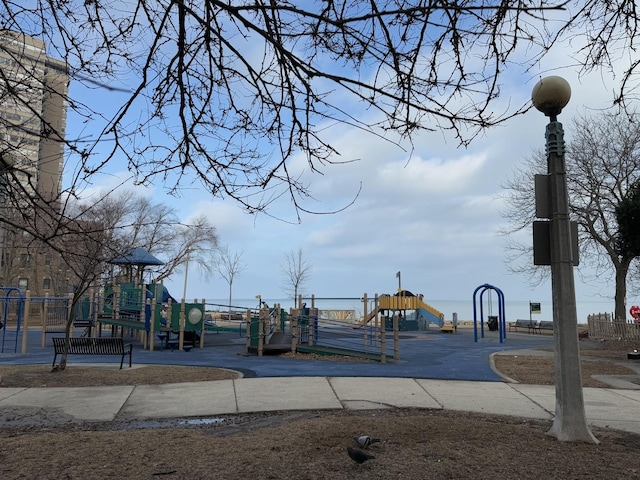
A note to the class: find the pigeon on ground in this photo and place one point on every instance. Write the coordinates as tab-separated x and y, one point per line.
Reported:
358	455
365	441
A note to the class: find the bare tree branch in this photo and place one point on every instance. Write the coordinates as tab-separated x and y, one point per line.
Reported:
603	164
230	93
296	272
229	266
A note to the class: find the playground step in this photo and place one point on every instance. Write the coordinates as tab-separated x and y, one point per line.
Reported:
280	338
9	341
278	342
324	350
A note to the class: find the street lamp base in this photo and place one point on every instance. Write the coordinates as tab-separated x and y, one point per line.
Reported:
571	430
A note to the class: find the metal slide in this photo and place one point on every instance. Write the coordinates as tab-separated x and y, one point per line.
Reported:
431	314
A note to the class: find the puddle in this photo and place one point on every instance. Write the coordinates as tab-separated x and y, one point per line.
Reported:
202	421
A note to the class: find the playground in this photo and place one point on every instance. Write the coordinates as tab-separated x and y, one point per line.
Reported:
399	335
395	341
428	354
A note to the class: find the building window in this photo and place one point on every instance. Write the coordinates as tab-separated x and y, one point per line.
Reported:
23	283
46	284
47	259
24	260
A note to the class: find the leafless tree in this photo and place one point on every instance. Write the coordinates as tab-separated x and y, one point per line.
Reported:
296	272
78	240
603	163
85	236
236	90
229	266
142	222
196	243
138	221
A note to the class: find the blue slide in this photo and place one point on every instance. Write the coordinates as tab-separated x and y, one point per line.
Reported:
430	316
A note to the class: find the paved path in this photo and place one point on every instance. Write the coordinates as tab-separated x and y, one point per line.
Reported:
435	371
612	408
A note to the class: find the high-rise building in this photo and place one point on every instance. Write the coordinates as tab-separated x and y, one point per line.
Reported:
33	101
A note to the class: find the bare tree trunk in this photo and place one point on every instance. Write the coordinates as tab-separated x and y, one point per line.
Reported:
75	299
620	319
67	334
230	287
621	290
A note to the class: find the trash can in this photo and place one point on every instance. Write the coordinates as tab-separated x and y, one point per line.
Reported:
492	323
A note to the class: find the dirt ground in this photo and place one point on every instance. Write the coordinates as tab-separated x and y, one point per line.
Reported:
415	444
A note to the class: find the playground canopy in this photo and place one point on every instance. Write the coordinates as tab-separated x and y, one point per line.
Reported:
139	257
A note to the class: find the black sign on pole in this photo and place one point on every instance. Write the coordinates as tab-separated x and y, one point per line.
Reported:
534	307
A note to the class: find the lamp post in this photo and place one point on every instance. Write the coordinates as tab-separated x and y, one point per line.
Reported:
550	95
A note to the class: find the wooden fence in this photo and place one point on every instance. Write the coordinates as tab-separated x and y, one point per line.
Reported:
602	327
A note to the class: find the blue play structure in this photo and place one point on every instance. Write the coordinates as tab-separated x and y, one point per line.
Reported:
501	322
12	304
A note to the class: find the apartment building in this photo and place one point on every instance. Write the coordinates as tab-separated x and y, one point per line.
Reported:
33	102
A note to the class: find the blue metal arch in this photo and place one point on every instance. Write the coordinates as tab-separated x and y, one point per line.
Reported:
4	317
502	324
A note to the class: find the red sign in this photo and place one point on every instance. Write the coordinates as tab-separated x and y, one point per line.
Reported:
634	311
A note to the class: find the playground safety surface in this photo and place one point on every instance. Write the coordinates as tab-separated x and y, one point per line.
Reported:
423	354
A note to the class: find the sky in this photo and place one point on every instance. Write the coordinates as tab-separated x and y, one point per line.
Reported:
433	215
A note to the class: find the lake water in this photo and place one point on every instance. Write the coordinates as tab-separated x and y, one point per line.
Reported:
464	308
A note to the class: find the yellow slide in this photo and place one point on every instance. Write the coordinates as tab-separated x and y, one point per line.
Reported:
388	302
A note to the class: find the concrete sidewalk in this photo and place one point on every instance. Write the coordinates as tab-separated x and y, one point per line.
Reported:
605	407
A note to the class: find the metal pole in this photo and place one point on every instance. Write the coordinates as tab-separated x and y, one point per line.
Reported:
186	276
570	420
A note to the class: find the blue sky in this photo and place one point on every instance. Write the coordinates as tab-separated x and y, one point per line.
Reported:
434	215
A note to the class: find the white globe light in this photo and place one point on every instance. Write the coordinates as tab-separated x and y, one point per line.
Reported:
550	95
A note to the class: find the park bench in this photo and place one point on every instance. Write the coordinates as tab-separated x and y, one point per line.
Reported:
93	346
545	326
529	325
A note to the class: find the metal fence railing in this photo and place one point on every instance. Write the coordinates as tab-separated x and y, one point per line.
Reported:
305	331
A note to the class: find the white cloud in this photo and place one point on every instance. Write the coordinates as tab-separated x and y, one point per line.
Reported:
430	177
117	182
434	216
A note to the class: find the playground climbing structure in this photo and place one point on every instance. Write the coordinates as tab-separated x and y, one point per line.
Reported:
385	304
